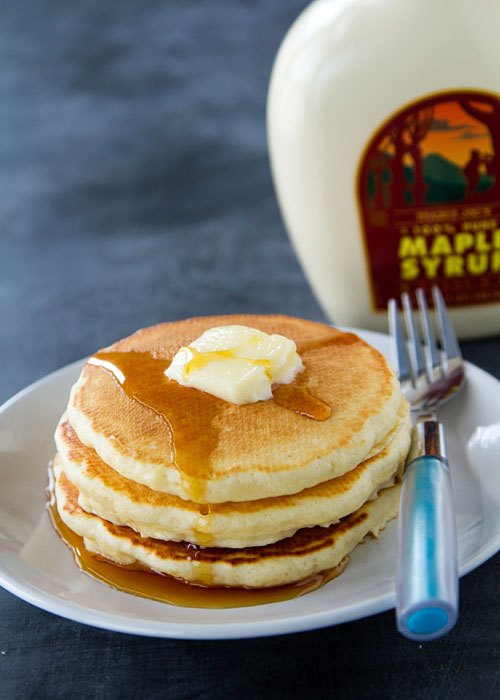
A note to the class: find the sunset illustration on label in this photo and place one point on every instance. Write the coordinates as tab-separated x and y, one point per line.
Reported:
428	190
454	132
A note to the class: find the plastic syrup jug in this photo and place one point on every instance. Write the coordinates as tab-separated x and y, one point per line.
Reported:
384	140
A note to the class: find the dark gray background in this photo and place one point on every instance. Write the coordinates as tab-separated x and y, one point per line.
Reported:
135	188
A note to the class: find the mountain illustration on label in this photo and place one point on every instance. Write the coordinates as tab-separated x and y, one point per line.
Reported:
428	190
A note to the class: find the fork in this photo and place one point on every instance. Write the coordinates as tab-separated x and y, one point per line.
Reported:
426	564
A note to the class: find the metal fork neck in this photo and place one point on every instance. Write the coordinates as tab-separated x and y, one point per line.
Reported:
428	438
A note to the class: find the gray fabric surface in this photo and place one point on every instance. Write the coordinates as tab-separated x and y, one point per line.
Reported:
135	188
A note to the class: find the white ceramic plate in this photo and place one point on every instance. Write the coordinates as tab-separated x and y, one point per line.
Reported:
36	566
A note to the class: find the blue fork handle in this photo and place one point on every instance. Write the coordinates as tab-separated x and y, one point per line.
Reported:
426	567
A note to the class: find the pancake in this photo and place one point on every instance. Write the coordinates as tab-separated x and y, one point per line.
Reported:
190	444
309	551
104	492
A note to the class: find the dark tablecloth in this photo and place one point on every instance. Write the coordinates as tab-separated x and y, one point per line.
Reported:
135	188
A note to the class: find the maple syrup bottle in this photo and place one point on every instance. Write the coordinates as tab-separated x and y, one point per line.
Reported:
384	139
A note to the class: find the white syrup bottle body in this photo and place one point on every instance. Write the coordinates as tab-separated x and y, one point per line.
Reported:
384	139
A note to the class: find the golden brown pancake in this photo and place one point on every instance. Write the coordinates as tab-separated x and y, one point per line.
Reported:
121	501
309	551
190	444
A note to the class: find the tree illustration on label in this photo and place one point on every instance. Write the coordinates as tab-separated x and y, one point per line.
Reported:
428	190
403	156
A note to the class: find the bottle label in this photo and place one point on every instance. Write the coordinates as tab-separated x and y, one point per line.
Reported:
428	190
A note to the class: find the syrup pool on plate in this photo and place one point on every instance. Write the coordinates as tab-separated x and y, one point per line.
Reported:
166	589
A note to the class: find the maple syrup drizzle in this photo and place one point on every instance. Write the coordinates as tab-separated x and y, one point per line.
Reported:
296	396
300	400
146	583
188	414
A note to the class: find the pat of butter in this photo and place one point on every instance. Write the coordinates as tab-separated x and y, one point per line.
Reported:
236	363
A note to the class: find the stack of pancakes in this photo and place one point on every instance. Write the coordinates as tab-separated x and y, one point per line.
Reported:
153	473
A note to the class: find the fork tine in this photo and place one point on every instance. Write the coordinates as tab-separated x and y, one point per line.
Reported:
399	350
449	342
432	355
416	358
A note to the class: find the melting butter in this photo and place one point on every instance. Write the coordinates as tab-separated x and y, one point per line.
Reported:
236	363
